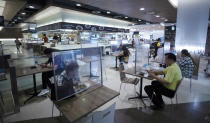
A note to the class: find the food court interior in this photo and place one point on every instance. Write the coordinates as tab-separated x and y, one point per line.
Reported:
85	43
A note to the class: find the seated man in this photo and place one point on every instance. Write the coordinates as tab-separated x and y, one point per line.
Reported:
166	86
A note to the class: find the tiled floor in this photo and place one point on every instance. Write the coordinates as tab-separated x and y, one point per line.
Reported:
41	108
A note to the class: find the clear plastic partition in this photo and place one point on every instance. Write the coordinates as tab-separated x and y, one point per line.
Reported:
114	46
32	61
76	71
142	56
89	45
19	78
160	55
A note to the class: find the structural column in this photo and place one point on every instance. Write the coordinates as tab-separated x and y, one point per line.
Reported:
192	24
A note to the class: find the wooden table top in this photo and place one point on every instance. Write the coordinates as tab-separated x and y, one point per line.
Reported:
77	107
30	71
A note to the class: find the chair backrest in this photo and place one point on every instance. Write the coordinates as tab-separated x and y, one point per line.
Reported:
122	74
178	85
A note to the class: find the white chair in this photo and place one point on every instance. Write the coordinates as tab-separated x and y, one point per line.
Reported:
175	94
126	80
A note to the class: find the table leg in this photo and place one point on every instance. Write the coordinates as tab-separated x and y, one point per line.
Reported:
140	96
116	62
35	90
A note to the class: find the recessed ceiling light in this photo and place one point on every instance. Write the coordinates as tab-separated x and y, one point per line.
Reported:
162	24
1	28
157	16
166	20
126	17
31	7
139	20
174	3
142	9
78	4
23	13
108	12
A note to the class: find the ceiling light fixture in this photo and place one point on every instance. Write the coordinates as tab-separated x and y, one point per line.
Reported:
142	9
31	7
23	13
139	20
126	17
157	16
78	5
166	20
1	27
108	12
162	24
174	3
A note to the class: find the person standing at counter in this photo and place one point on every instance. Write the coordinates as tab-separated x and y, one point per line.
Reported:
18	43
55	38
45	38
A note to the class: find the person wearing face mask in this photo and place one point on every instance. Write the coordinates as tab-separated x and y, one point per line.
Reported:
164	86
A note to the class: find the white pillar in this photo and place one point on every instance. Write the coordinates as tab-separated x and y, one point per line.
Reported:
192	24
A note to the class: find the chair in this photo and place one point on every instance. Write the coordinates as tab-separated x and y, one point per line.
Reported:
175	94
126	80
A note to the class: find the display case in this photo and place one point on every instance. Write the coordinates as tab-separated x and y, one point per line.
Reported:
76	71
